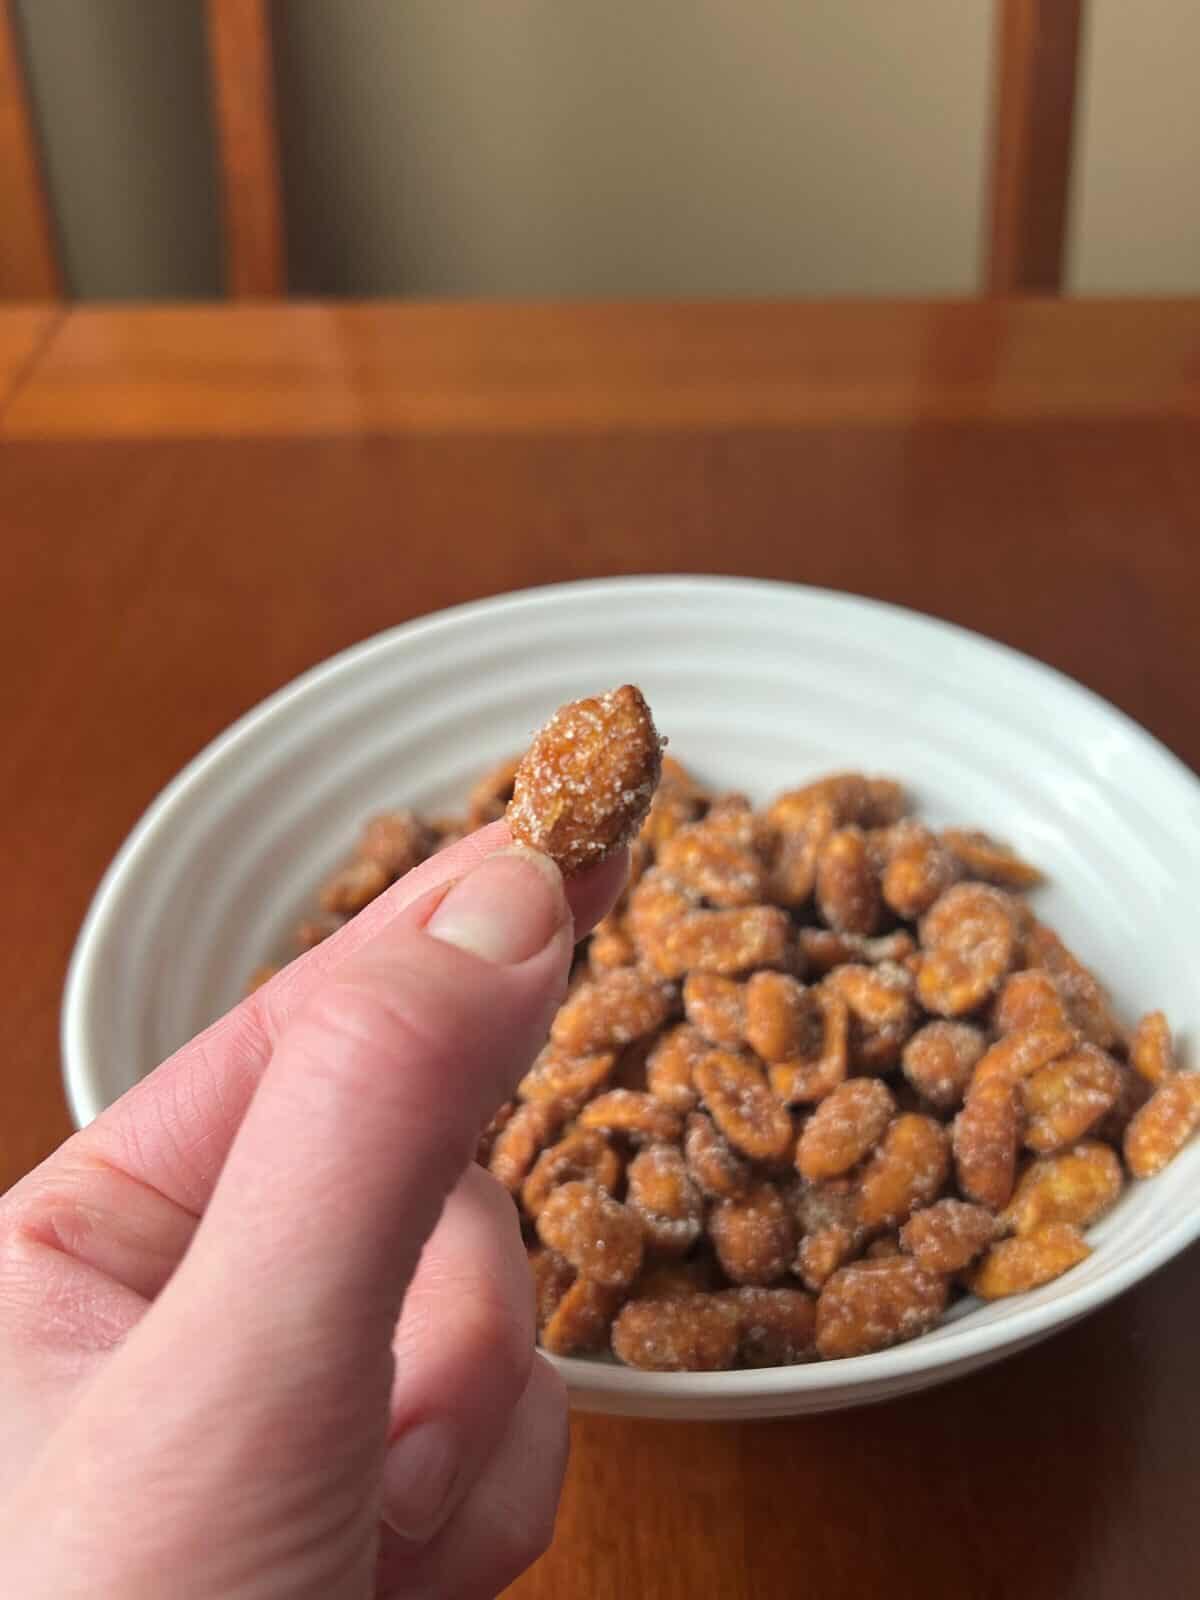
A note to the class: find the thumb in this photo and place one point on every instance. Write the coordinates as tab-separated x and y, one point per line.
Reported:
369	1111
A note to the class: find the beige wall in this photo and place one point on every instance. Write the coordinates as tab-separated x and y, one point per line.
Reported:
1137	213
122	108
577	147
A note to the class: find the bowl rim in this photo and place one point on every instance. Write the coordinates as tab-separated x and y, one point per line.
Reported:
958	1343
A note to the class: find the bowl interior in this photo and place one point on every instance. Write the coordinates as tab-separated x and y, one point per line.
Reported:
758	686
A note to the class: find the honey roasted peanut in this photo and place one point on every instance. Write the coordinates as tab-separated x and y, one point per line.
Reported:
882	1012
1014	1266
397	841
947	1236
1159	1131
730	943
719	863
821	949
1066	1099
919	869
714	1165
518	1143
580	1322
823	1050
568	1080
488	799
987	1138
776	1327
969	942
606	1012
907	1171
1088	1006
847	885
636	1114
716	1008
1076	1186
1150	1051
552	1276
354	887
939	1059
600	1237
776	1018
663	1195
1029	999
584	786
984	857
872	1305
671	1066
698	1333
754	1235
580	1155
736	1094
844	1128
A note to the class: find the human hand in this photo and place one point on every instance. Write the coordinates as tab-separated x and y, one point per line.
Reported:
265	1330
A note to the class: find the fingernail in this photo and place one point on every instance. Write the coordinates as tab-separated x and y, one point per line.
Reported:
506	909
418	1476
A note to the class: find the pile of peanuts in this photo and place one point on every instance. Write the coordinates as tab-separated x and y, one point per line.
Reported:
819	1073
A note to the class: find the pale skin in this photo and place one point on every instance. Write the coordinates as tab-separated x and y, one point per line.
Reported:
265	1330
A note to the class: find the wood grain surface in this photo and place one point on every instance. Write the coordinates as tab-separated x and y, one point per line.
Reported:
163	569
310	371
23	333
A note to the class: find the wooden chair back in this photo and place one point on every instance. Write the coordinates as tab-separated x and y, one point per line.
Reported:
1033	102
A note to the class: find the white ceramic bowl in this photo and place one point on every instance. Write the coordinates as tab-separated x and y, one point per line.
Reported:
758	686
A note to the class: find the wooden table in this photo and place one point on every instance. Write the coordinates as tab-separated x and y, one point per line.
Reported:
197	504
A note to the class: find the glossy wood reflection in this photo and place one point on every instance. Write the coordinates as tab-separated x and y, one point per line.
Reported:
23	331
166	560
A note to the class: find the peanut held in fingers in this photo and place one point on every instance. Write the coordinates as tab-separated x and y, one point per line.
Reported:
584	786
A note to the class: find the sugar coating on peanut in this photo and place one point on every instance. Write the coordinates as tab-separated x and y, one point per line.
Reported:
698	1333
907	1171
939	1058
1076	1186
584	786
665	1198
872	1305
568	1080
754	1235
715	1166
579	1323
987	1138
735	1091
776	1327
969	942
671	1066
600	1237
844	1128
1014	1266
583	1154
947	1236
1159	1131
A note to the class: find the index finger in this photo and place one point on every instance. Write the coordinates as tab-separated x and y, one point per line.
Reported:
172	1131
